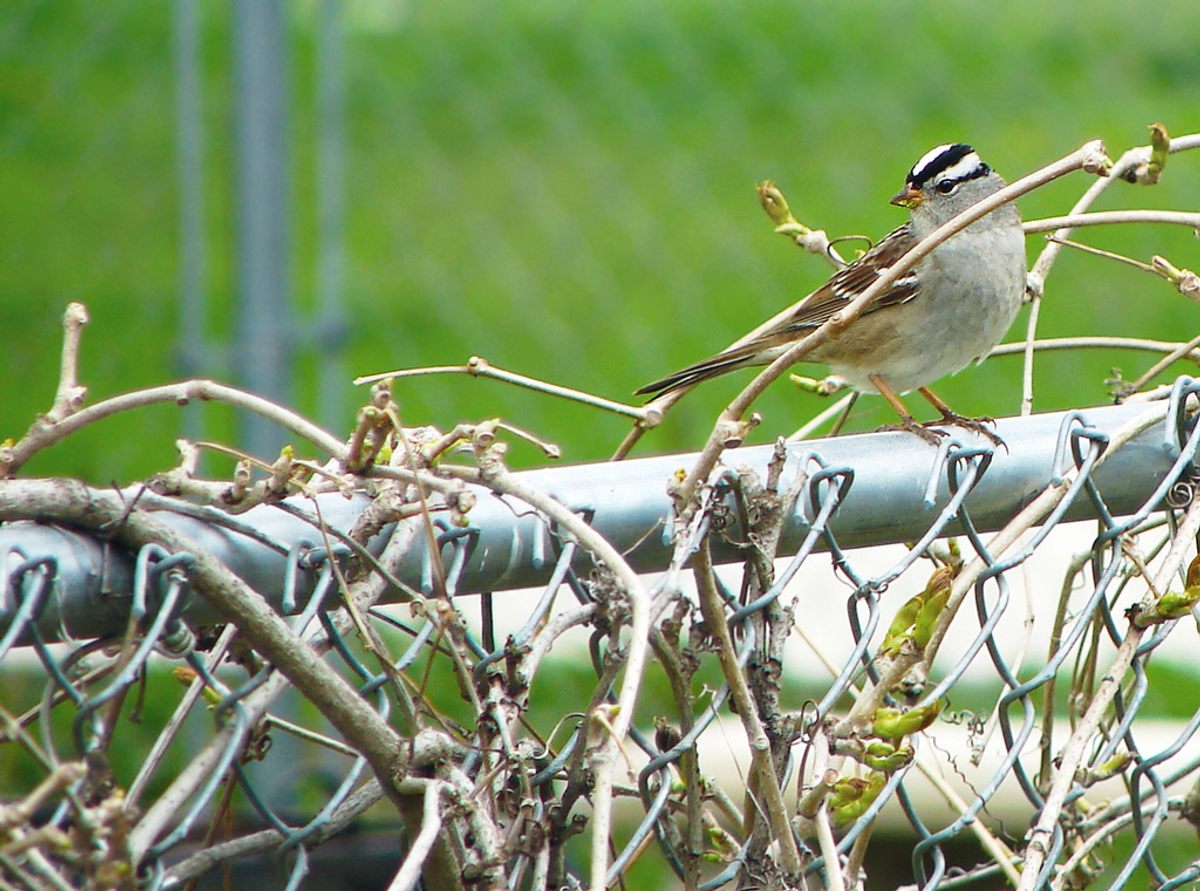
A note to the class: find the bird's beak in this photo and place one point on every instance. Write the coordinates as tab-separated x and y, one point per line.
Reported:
907	197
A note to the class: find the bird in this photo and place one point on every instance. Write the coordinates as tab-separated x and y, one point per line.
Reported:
952	307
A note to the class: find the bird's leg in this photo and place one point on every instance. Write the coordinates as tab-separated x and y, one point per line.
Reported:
842	418
949	416
907	421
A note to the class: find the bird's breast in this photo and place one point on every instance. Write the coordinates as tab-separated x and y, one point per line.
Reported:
960	313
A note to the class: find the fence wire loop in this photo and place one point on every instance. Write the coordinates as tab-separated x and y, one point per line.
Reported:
25	587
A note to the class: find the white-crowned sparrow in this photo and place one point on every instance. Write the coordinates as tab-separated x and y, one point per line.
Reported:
952	307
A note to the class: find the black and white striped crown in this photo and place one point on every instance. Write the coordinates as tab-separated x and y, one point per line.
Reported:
953	163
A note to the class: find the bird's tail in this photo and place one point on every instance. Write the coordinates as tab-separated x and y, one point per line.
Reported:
713	366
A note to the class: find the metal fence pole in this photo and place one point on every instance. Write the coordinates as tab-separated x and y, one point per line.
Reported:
331	325
262	340
897	487
191	351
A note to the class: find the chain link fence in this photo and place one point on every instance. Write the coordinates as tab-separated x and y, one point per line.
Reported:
854	662
503	752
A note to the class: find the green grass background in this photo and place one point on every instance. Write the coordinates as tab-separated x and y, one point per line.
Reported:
567	190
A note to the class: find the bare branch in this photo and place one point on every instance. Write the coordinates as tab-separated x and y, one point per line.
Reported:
1113	217
47	431
477	366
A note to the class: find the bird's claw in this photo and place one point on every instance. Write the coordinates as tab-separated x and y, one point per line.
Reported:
975	425
931	435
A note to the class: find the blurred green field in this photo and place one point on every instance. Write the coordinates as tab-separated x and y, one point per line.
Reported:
568	190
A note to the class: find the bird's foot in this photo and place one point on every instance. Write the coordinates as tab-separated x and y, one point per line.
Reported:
931	435
982	426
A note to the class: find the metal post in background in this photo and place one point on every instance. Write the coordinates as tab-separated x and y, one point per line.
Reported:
192	353
330	329
263	318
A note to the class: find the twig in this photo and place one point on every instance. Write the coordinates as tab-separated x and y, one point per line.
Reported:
1184	280
1089	844
833	863
47	431
1162	364
479	367
1126	163
854	860
1112	217
1035	312
1074	567
1108	255
604	758
815	241
208	858
17	814
70	394
409	873
1098	343
164	739
1036	280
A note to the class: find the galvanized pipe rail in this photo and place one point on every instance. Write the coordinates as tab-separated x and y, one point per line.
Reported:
893	488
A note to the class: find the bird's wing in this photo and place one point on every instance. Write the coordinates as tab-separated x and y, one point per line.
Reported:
845	285
850	281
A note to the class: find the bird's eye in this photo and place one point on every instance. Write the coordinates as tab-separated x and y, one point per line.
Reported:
947	186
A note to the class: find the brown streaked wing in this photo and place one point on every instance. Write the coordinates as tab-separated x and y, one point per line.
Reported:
851	280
